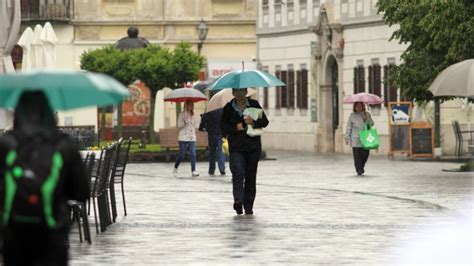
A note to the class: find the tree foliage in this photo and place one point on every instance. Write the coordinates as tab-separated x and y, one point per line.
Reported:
438	34
154	65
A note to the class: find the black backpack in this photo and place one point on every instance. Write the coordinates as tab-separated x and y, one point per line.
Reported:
31	175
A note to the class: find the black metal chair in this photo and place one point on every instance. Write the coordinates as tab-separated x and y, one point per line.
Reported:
118	174
458	133
78	209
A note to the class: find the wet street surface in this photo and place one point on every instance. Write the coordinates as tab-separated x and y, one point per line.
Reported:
309	209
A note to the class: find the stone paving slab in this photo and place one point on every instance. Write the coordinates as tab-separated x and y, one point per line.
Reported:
310	209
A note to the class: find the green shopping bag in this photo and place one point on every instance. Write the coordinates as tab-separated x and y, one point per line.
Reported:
369	138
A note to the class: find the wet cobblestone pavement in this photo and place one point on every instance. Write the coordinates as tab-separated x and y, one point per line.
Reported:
309	209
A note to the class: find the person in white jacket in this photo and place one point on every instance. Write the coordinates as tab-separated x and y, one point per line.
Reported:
356	122
187	137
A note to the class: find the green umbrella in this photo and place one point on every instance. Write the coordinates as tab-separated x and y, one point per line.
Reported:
240	79
64	89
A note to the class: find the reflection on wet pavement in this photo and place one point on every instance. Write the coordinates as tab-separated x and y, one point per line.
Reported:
309	209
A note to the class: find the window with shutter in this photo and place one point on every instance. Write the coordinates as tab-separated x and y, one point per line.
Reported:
265	91
356	79
284	89
291	89
299	95
361	79
390	91
375	81
304	89
278	91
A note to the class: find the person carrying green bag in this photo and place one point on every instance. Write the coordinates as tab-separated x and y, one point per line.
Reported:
357	122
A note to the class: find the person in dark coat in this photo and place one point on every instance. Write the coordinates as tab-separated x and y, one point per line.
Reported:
211	122
244	151
37	241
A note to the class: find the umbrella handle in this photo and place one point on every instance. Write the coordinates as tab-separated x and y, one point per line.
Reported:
243	68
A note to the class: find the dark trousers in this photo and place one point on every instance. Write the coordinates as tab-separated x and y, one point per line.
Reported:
360	158
215	148
35	247
243	166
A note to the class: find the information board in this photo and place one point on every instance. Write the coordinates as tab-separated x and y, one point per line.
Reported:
422	140
399	139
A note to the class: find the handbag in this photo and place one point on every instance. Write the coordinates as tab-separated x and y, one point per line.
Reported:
369	137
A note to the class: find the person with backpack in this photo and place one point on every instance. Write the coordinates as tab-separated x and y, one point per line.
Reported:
40	169
211	122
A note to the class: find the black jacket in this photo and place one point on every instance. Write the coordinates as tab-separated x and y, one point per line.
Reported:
239	140
211	122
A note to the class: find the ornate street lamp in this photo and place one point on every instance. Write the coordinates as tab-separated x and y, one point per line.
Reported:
202	29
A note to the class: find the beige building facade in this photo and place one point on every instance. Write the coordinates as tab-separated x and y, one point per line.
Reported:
231	37
344	47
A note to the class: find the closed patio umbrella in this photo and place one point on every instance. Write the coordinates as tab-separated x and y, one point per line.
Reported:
10	18
25	42
49	39
37	48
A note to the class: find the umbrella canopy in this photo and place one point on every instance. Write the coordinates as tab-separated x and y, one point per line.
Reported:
220	99
10	19
185	94
240	79
25	42
455	80
202	85
49	39
65	89
364	97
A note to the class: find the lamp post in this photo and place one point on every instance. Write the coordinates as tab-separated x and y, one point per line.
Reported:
202	29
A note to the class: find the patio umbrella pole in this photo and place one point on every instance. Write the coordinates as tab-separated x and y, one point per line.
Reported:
437	122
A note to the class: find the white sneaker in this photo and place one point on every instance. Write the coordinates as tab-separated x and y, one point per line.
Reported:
175	172
195	174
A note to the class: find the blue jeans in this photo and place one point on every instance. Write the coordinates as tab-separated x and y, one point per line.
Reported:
215	146
183	145
244	176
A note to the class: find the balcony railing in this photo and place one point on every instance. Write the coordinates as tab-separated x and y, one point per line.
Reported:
46	10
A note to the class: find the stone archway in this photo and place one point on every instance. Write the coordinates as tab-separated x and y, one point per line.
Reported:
327	63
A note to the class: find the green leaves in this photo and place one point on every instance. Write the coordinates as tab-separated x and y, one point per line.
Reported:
156	66
438	33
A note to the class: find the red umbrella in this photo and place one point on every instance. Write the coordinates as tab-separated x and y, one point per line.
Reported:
185	94
364	97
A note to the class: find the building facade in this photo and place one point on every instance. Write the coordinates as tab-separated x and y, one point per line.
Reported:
324	50
83	25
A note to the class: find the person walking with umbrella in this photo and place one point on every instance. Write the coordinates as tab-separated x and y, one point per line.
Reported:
356	122
244	150
187	137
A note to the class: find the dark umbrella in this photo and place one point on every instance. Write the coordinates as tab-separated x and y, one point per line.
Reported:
132	41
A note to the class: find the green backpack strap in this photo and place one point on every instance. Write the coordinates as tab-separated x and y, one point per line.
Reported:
10	184
48	188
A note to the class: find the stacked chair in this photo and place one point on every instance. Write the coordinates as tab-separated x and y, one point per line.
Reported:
104	172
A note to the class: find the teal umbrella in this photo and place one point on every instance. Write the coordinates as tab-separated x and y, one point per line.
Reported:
240	79
64	89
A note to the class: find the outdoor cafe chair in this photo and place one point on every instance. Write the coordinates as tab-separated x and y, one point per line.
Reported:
458	133
78	209
118	174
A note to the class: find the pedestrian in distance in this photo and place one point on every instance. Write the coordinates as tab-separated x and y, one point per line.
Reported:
41	169
244	150
356	122
187	137
211	122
